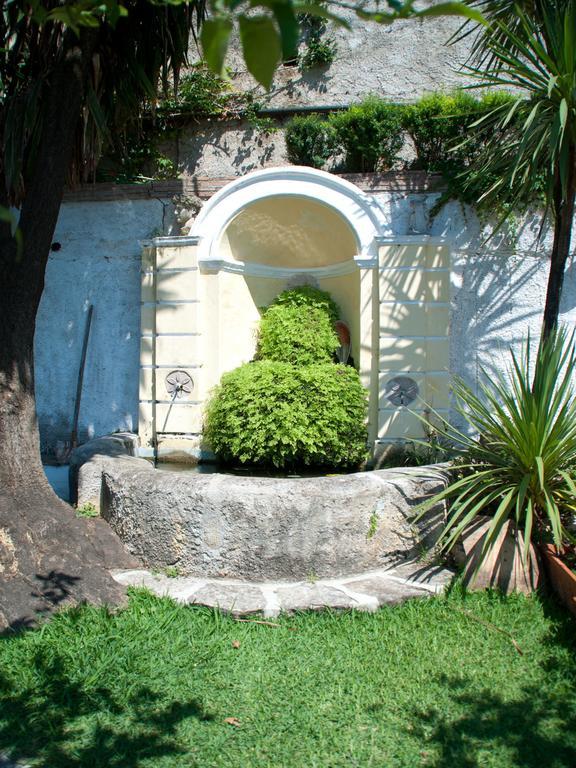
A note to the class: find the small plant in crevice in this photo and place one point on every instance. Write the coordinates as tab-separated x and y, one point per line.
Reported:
292	406
87	510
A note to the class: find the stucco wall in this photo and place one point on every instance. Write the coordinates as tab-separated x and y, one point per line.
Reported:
497	294
399	62
99	264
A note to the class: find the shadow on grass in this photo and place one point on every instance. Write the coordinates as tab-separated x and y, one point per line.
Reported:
62	723
538	730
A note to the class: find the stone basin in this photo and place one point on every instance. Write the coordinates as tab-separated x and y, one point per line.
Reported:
261	529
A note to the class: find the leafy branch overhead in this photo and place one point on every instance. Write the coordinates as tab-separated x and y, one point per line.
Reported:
270	33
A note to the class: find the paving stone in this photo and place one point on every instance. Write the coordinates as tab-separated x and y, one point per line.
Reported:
435	577
387	591
179	588
237	599
302	596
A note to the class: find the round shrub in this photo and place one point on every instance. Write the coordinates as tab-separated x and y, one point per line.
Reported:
310	140
298	335
371	134
271	413
308	296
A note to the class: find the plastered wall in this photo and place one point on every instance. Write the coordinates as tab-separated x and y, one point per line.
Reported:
496	296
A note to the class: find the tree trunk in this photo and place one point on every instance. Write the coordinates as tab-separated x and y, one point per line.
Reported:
563	220
47	555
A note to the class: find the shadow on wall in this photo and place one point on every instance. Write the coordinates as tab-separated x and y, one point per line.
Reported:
223	149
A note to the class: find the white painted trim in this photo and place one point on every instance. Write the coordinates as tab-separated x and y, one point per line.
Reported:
176	241
363	213
412	240
252	269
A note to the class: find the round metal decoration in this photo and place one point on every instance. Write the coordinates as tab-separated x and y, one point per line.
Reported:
401	390
179	384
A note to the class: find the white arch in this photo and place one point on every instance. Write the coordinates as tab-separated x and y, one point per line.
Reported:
364	215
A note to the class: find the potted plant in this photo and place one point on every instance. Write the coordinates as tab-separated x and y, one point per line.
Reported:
516	461
561	570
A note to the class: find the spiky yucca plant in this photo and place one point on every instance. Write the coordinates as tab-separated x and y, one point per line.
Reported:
519	460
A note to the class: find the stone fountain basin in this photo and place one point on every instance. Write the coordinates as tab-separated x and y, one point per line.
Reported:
264	529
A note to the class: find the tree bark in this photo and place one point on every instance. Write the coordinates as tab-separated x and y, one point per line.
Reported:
47	555
563	220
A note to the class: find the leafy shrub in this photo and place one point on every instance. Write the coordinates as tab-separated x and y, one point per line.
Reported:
320	49
371	134
520	461
310	140
308	296
275	414
439	125
319	53
300	335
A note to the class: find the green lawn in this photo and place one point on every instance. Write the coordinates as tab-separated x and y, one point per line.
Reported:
428	683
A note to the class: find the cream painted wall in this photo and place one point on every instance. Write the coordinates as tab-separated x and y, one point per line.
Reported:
293	232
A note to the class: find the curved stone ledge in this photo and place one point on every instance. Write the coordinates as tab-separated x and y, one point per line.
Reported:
268	528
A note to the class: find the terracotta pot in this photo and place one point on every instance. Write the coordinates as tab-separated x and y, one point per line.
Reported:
562	578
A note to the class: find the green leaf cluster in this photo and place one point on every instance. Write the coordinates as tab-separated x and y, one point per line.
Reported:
300	335
320	48
293	406
370	134
366	137
308	296
271	413
518	458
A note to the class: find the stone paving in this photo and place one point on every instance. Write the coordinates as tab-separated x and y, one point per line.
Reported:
364	592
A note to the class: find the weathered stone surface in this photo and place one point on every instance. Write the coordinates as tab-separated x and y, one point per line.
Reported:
89	460
503	568
268	528
236	599
301	597
428	576
386	591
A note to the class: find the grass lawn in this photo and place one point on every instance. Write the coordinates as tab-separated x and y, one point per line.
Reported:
428	683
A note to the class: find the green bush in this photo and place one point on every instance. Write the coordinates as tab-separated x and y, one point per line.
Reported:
300	335
310	140
439	125
308	296
272	413
370	134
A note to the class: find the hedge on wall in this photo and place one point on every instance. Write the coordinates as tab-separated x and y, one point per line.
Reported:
308	296
310	140
271	413
370	134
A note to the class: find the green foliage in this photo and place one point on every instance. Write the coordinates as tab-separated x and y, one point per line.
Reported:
308	296
87	510
319	53
201	92
444	130
320	48
310	140
519	462
293	406
275	414
370	134
440	122
298	335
